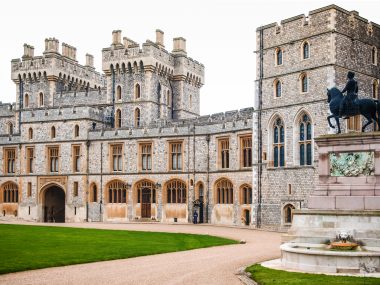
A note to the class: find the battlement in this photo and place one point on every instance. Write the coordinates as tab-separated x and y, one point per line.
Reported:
7	109
326	19
53	65
129	57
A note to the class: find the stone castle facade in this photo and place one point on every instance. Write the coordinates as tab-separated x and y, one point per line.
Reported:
296	61
124	145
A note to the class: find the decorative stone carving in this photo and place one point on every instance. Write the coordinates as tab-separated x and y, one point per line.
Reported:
352	164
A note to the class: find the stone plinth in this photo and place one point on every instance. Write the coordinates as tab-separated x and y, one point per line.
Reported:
349	172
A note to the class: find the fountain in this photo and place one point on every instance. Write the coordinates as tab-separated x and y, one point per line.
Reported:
340	230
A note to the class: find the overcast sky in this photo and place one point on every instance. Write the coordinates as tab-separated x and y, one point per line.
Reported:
219	34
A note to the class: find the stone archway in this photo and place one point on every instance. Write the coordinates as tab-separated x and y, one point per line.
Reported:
54	205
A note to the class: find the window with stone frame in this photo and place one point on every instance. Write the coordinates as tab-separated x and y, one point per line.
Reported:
76	131
9	160
76	158
374	55
246	194
224	153
137	91
118	92
375	89
75	189
117	192
278	56
224	192
26	101
277	88
52	132
10	128
116	157
305	50
29	190
176	192
118	119
305	140
145	150
175	154
53	158
137	117
10	193
354	124
278	143
29	159
41	100
93	193
304	83
246	151
30	133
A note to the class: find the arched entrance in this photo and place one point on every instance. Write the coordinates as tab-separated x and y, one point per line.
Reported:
246	217
54	205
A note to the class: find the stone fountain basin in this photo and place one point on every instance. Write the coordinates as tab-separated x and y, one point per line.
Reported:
318	258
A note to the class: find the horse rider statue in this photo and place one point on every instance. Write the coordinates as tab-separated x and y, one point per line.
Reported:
348	106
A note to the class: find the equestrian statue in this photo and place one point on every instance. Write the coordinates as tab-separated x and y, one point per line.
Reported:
348	106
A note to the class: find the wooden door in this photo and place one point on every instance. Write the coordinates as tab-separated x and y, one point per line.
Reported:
146	203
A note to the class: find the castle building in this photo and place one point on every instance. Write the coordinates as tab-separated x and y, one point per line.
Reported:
296	61
124	145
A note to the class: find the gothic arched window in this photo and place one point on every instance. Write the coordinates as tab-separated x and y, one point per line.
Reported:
137	91
305	50
374	55
304	83
278	56
277	88
288	213
118	118
118	92
137	117
278	143
305	136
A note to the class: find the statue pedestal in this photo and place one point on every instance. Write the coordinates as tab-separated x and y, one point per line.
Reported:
346	199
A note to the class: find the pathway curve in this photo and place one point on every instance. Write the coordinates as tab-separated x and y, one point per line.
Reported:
214	265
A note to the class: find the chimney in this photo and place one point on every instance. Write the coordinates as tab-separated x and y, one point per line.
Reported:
89	60
179	45
28	51
51	45
116	37
160	38
69	51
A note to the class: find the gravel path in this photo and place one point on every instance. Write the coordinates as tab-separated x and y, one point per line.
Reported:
200	266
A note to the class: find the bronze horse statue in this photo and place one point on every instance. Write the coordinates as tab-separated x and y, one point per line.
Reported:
368	108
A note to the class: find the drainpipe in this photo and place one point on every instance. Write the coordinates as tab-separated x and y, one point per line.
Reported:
21	103
259	132
101	182
208	175
87	173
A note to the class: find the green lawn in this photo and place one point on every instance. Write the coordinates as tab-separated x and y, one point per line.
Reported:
266	276
31	247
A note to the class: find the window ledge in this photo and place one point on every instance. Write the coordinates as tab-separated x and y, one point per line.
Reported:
291	167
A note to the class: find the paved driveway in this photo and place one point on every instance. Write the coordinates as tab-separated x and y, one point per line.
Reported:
200	266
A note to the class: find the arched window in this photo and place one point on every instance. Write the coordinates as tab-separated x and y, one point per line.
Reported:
118	92
41	99
168	99
304	83
288	213
224	192
30	133
176	192
10	129
278	143
52	132
375	89
26	101
199	191
246	194
117	192
76	131
137	117
10	193
278	56
146	192
118	118
305	136
374	55
137	91
277	88
305	50
94	193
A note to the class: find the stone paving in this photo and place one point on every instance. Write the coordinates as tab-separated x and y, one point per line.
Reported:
216	265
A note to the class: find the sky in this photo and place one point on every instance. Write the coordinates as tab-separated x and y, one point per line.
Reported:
219	34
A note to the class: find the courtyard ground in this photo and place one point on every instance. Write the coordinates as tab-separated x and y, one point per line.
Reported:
215	265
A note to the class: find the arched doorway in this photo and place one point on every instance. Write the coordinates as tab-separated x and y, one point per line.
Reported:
54	205
246	217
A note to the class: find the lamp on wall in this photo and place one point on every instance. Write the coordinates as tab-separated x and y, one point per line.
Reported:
158	185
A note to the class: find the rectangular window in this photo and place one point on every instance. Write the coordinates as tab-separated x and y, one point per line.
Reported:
146	156
29	193
117	157
76	158
10	160
53	153
30	160
75	189
175	154
224	153
246	151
